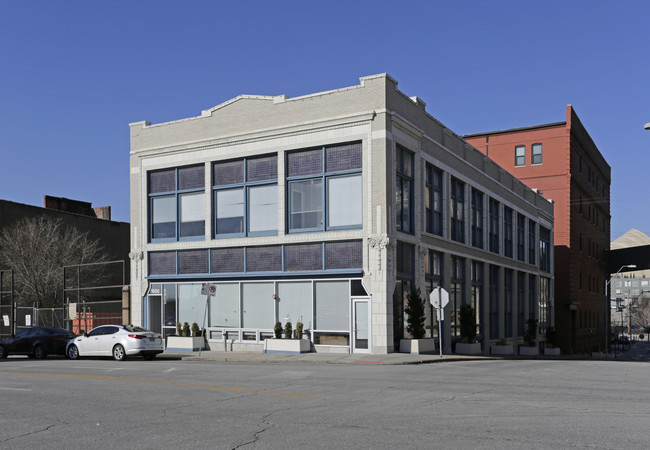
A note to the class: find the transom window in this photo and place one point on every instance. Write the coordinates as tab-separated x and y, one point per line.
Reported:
537	154
176	204
245	196
324	188
520	155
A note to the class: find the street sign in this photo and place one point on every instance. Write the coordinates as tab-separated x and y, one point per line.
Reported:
439	298
209	289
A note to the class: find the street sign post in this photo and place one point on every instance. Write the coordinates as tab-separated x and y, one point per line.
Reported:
209	290
439	299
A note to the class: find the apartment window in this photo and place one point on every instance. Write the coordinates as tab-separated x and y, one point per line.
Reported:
544	249
520	155
245	195
532	241
493	226
507	297
404	284
433	200
521	237
456	292
404	190
324	188
457	210
176	204
477	294
494	302
477	218
536	154
508	232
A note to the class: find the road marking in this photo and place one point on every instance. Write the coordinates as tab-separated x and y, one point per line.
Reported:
169	370
165	383
13	389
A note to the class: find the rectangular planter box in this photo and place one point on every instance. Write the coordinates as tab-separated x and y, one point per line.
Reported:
185	344
417	346
468	349
502	349
555	351
287	346
528	351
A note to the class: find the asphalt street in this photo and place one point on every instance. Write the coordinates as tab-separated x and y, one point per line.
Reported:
483	403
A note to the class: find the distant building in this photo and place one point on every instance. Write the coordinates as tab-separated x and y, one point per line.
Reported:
328	209
561	160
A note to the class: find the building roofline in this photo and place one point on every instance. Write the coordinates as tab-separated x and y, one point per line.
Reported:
514	130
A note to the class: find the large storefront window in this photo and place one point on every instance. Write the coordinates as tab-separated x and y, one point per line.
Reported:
258	307
224	306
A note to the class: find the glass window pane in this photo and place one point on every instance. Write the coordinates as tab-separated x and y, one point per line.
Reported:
191	304
224	306
258	305
294	302
306	204
344	201
192	214
332	306
230	211
163	211
263	208
169	304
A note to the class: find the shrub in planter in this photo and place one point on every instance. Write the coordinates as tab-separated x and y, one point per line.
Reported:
550	337
288	329
530	337
299	327
467	324
178	329
415	309
186	329
277	330
196	331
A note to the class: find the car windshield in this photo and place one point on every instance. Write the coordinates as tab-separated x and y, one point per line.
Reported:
134	329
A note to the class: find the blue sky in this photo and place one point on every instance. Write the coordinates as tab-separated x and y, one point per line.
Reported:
74	74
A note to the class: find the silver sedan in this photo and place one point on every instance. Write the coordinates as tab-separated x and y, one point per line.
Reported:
118	341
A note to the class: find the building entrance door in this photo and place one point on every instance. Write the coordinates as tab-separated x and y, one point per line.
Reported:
155	313
361	325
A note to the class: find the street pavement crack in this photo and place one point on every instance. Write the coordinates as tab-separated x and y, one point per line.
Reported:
47	428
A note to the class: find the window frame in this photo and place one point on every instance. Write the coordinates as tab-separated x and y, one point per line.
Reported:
245	187
324	176
456	205
176	196
434	189
404	221
520	159
478	198
536	157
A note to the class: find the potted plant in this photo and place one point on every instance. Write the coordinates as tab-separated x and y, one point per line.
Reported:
289	344
468	344
501	347
415	311
530	339
551	349
188	339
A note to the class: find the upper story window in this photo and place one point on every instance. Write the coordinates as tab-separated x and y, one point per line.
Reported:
457	210
477	218
521	237
536	152
508	232
493	226
433	201
404	190
245	196
532	241
544	249
324	188
520	155
176	204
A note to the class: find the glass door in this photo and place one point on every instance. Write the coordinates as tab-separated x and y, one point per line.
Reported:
155	313
360	325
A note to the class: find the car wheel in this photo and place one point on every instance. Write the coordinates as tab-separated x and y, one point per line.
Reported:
118	353
73	352
39	352
2	352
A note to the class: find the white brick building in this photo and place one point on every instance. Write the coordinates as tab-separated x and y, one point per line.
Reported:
326	209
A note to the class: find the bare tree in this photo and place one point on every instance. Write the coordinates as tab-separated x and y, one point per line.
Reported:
37	249
640	312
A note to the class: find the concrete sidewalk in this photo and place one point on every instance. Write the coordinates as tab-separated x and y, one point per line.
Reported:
316	358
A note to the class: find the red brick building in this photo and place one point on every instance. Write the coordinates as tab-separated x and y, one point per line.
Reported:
561	160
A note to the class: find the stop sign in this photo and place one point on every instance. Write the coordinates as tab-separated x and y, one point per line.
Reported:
439	298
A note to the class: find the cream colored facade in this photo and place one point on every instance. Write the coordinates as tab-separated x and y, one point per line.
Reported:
382	119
